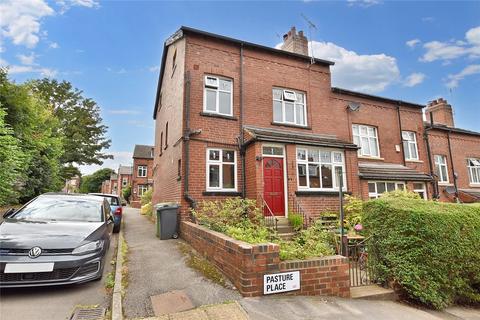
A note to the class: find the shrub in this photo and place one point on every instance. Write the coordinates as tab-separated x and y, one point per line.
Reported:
430	250
127	192
146	197
147	209
401	194
296	220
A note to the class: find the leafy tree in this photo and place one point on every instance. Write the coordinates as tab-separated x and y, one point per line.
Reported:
80	124
93	182
127	192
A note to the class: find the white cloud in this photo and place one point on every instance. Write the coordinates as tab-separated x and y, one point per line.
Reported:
54	45
453	49
21	20
454	79
65	5
123	111
154	69
42	71
27	60
368	73
428	19
414	79
412	43
119	158
363	3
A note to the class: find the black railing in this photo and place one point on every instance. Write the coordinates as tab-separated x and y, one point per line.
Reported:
298	209
270	220
360	264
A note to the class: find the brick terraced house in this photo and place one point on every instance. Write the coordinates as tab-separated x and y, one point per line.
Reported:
110	186
142	178
124	178
235	118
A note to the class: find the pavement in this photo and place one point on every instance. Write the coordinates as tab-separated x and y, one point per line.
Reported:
58	302
157	266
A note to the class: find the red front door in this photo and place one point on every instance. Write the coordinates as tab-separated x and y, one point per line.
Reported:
273	187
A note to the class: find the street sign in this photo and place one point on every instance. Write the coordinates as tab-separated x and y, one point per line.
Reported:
281	282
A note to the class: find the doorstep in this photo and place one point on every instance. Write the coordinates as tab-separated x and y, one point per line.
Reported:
373	292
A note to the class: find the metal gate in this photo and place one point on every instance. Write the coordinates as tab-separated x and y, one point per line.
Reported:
360	264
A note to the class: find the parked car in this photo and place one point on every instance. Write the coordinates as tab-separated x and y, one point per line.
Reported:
55	239
116	205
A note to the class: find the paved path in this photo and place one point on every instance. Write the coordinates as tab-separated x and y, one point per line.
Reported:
157	266
55	303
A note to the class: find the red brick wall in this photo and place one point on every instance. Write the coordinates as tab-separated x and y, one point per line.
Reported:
245	264
120	182
463	147
136	180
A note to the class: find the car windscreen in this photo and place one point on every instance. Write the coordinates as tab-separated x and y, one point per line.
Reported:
112	200
61	209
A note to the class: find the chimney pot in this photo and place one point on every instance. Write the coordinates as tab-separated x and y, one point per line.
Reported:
440	112
296	43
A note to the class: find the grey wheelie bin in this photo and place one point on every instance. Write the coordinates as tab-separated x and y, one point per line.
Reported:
167	220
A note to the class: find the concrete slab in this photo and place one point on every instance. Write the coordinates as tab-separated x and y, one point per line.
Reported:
372	292
171	302
196	314
230	311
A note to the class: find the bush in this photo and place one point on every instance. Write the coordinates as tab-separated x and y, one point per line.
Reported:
146	197
296	220
147	209
127	192
430	250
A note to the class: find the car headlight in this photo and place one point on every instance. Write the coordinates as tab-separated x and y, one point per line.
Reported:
89	247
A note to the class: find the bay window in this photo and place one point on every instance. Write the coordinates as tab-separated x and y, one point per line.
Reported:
289	107
221	170
318	169
367	139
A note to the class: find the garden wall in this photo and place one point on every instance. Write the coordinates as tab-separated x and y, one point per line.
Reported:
245	264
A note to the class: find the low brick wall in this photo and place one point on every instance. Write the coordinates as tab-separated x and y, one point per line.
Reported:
245	264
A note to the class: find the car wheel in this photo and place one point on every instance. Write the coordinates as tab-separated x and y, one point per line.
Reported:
116	229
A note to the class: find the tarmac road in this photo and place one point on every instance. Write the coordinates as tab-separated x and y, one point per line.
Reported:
57	302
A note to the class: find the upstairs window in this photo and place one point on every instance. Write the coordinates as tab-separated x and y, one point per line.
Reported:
410	145
124	181
473	166
441	169
221	170
318	169
141	171
218	96
366	138
289	107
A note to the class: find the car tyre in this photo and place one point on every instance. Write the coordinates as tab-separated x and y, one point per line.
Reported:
116	229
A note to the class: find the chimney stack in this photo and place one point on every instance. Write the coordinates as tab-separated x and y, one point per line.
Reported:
295	42
441	112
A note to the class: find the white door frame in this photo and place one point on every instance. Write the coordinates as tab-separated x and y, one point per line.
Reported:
284	157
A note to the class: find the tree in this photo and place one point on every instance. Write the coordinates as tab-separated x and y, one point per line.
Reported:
127	192
93	182
80	124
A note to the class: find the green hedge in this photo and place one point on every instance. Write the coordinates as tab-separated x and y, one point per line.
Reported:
431	250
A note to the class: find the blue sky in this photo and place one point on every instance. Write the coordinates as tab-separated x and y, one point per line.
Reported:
414	51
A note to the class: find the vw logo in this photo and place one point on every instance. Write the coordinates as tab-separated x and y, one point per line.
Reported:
35	252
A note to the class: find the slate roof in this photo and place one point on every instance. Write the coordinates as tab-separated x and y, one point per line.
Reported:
143	151
452	129
125	169
390	171
287	136
113	176
474	193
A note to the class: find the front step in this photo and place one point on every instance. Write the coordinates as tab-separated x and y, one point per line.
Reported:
373	292
287	236
281	221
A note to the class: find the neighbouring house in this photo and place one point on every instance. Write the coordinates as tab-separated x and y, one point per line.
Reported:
72	185
234	118
142	178
124	178
110	186
106	187
455	155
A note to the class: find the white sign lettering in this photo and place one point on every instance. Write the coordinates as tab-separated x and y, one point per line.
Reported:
281	282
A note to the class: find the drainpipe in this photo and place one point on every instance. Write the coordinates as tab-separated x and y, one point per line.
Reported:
401	137
453	168
430	164
186	138
241	136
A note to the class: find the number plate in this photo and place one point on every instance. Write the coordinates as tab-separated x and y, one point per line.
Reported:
28	267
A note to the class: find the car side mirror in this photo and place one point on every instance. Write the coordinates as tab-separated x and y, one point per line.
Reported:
110	220
123	204
9	212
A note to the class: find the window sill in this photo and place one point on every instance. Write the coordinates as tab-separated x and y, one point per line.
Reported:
445	184
216	115
475	185
371	158
222	193
290	125
414	161
319	193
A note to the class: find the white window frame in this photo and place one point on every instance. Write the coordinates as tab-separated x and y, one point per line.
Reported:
124	181
424	189
333	163
293	94
441	162
473	166
409	139
140	169
376	195
141	189
358	139
220	163
217	90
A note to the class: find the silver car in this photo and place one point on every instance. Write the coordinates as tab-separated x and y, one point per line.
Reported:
55	239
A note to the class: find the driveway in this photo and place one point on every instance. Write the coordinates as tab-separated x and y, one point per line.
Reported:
55	303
